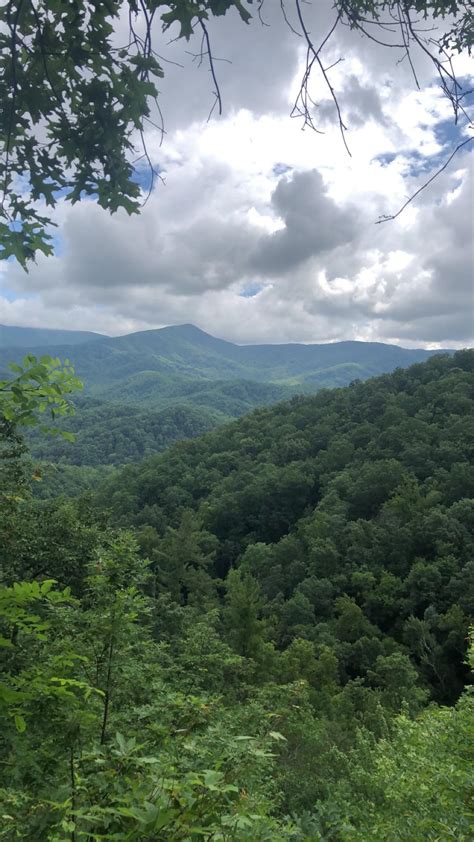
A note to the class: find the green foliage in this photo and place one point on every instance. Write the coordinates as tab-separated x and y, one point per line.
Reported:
184	365
58	480
181	560
355	539
36	388
47	540
138	757
110	434
25	619
93	98
241	615
180	382
460	29
39	386
263	645
415	785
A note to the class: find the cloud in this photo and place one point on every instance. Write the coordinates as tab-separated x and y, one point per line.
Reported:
439	301
313	224
359	103
254	64
264	232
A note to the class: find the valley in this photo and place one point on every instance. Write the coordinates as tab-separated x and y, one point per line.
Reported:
236	421
265	620
146	390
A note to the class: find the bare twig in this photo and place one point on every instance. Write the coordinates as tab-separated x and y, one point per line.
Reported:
446	77
217	92
388	218
259	12
316	57
153	172
287	21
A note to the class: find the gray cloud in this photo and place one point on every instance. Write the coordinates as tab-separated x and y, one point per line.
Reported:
359	103
325	275
254	66
313	224
440	303
329	272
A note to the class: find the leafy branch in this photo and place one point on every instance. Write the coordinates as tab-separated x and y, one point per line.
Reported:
41	386
75	104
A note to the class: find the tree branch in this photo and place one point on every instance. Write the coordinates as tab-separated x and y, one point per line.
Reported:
388	218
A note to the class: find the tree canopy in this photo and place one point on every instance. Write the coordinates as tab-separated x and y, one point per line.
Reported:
247	656
75	102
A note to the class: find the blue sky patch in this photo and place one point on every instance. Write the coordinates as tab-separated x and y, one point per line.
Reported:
251	290
449	134
281	168
386	158
11	296
143	176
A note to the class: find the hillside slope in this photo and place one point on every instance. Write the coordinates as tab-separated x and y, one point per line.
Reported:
294	594
154	367
114	434
110	434
151	388
359	494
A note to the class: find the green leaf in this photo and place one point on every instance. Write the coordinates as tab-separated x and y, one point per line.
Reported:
275	735
20	723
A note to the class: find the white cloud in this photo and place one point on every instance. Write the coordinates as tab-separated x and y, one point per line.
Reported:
265	232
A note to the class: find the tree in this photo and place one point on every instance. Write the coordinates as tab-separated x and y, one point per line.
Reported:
38	387
24	620
125	714
245	630
95	743
413	785
182	559
75	103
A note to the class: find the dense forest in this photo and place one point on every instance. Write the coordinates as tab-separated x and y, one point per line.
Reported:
236	581
182	358
144	391
110	434
259	634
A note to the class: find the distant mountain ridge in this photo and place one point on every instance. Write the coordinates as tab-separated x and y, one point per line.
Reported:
154	367
24	337
147	389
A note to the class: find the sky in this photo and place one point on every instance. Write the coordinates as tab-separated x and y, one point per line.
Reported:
263	231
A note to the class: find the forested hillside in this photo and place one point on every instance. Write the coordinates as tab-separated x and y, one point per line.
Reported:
350	510
256	622
146	390
155	367
111	434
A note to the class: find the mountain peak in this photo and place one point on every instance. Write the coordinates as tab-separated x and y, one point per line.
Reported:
187	328
173	335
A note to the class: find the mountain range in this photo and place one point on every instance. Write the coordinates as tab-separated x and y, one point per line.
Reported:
144	390
21	337
140	364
